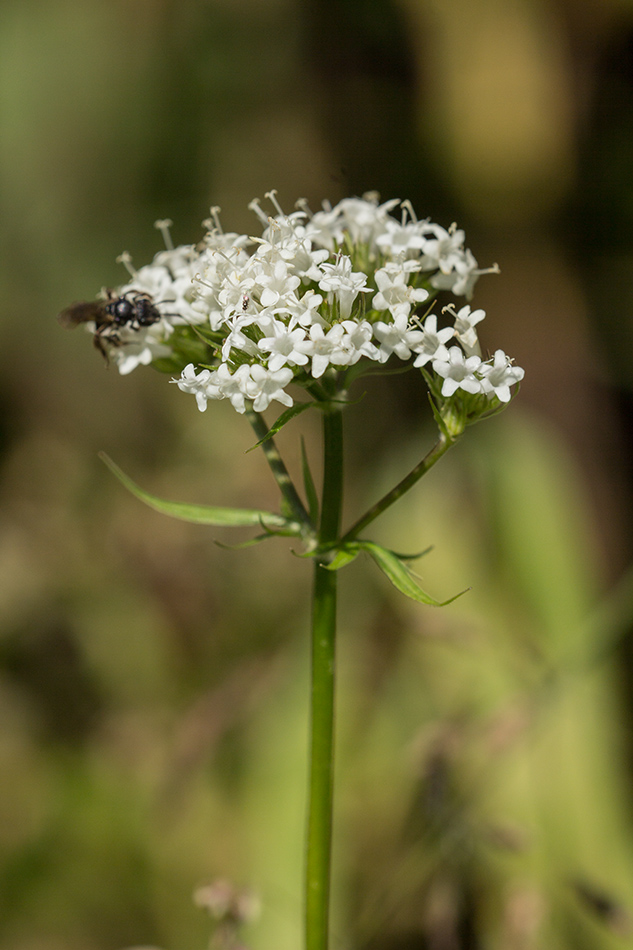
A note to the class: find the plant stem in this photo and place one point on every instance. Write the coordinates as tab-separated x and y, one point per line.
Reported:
280	471
429	460
319	834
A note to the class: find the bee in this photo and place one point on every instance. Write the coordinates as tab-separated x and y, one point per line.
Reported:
132	309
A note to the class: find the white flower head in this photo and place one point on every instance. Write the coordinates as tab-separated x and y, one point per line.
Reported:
266	311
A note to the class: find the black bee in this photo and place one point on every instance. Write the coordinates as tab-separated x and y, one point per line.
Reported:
133	310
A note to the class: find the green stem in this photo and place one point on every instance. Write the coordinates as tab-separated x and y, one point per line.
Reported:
319	835
280	472
429	460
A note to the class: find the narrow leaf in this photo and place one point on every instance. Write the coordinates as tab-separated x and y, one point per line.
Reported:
281	421
413	557
343	556
309	486
441	425
246	544
399	575
200	514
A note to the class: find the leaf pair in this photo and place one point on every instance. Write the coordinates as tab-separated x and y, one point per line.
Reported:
393	567
391	564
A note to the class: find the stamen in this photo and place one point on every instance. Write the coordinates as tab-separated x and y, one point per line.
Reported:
302	205
272	197
274	234
163	225
254	206
126	259
222	253
214	220
407	206
199	279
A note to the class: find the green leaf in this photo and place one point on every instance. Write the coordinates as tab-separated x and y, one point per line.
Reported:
280	422
246	544
400	576
203	514
343	556
309	486
413	557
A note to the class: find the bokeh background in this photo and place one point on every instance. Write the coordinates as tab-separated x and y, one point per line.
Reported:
153	686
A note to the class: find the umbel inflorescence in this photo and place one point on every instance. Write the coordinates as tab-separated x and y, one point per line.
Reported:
243	318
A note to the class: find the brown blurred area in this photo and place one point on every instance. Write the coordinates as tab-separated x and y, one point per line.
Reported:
153	686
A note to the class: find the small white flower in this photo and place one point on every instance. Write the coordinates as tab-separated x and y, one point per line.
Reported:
140	347
236	288
234	385
364	218
444	250
278	285
282	346
154	280
393	289
458	372
325	348
302	259
238	340
202	385
401	239
462	278
305	311
498	375
397	337
266	386
339	280
357	341
432	346
465	323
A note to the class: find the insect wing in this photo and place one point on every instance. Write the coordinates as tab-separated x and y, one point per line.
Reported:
82	313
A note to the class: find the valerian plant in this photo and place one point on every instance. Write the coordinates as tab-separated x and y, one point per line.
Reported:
295	317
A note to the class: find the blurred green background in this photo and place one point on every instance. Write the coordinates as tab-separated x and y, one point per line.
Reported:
153	687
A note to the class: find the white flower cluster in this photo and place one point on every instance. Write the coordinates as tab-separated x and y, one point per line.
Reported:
314	295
